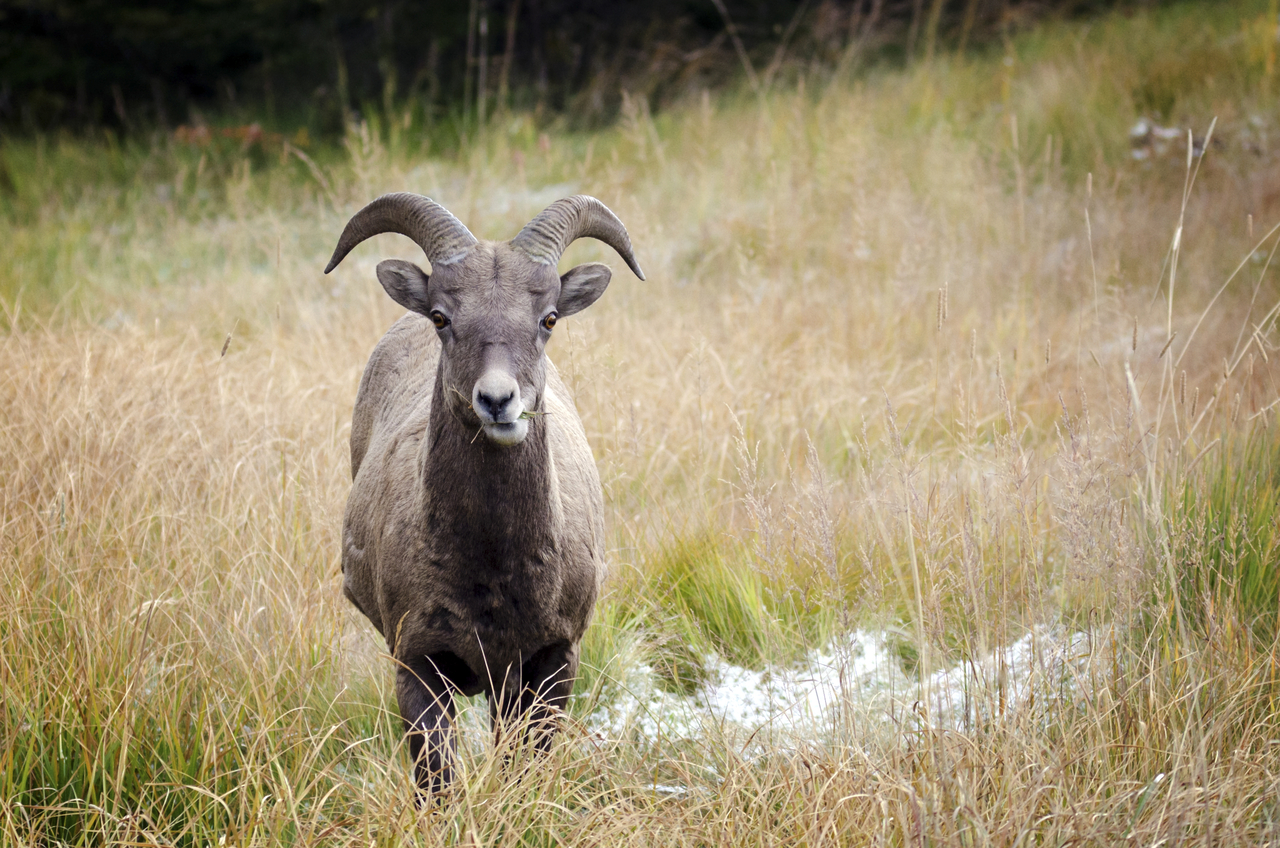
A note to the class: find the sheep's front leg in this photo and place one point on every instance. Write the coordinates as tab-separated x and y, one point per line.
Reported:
427	709
535	701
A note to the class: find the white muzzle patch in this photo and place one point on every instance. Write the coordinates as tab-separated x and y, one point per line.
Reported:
497	403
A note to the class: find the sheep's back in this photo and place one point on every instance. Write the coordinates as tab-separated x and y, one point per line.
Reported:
398	380
575	471
393	406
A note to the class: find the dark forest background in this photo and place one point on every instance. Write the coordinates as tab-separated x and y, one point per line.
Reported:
143	64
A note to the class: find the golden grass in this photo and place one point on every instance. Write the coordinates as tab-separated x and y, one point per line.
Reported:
881	367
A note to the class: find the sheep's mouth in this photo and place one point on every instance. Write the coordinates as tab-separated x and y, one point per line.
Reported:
506	433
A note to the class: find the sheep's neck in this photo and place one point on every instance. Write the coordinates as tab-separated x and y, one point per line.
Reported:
490	505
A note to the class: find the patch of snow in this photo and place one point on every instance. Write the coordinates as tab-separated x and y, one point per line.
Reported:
855	677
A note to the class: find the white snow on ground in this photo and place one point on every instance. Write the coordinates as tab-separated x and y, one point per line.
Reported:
856	678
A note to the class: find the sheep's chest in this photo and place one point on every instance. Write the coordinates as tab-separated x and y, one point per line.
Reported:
493	599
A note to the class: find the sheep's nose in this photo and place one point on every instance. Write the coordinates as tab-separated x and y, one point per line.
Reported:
496	398
494	405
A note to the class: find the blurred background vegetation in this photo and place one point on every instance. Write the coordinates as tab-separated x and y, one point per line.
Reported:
131	65
961	332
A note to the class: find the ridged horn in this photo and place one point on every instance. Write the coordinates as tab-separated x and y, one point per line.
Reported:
442	237
545	238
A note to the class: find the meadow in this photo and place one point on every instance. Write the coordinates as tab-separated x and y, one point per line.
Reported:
941	367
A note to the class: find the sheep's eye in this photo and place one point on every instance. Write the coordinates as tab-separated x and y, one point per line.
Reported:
437	318
550	321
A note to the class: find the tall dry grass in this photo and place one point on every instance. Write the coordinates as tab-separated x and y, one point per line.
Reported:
906	358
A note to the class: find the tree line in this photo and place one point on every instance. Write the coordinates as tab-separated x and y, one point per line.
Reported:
143	64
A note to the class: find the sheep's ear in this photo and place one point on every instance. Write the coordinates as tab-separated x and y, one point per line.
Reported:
406	283
582	286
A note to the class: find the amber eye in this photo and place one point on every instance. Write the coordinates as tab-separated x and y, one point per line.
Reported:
437	318
550	321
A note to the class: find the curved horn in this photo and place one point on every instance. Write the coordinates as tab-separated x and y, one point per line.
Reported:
545	237
441	236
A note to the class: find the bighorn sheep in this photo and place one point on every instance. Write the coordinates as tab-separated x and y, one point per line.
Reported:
474	533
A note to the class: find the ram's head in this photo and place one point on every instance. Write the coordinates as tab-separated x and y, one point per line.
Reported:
493	304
